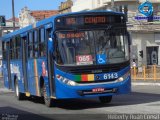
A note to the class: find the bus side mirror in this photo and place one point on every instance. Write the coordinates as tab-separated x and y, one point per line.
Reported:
50	45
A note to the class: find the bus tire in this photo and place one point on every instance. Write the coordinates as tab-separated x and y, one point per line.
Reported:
47	100
105	99
19	95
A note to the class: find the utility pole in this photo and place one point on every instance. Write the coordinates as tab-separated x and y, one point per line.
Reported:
13	15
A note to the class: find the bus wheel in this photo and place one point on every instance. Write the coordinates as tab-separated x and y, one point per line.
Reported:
19	96
105	99
47	100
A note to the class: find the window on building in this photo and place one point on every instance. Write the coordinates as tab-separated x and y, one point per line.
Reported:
152	55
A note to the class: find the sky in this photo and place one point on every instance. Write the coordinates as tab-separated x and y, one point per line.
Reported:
6	6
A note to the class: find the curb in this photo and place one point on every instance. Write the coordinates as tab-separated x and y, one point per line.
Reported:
149	83
5	90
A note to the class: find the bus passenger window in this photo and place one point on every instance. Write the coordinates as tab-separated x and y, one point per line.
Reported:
35	50
30	38
30	45
42	49
18	46
42	36
42	44
35	36
30	51
35	44
4	48
12	49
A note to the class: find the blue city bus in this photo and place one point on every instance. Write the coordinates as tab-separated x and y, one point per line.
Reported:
74	55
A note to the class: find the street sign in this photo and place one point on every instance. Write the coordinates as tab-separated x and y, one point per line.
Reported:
2	21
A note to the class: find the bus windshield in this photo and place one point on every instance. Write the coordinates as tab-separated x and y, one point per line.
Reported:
92	47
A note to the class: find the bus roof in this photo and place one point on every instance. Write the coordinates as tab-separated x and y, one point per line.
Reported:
51	19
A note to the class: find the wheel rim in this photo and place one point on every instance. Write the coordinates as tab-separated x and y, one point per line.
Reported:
17	90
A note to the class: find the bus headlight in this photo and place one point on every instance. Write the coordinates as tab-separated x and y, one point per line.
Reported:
65	80
122	78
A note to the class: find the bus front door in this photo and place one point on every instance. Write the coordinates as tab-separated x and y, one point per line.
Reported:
24	62
50	61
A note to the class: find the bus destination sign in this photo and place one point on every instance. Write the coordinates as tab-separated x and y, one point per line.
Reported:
91	20
87	20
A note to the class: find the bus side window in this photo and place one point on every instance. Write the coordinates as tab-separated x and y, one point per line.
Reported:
30	45
42	44
35	44
18	47
4	49
12	48
8	48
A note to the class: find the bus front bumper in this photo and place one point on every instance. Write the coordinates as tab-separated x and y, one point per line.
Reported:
84	91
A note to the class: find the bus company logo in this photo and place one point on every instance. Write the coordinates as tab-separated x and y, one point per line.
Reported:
146	8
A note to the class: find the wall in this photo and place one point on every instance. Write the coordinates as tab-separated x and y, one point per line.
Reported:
25	18
143	40
80	5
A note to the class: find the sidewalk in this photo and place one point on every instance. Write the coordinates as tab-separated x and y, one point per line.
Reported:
146	82
2	88
5	90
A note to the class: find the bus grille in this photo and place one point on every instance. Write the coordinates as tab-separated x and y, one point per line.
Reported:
93	69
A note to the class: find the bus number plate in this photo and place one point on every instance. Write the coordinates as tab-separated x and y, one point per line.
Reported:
110	76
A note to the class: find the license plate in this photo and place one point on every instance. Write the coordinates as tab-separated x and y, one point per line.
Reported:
98	90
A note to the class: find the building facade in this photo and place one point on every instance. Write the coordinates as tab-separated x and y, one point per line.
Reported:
65	7
9	26
145	33
27	17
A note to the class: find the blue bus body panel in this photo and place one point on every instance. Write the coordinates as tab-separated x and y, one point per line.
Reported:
5	74
43	72
66	91
17	71
31	77
34	71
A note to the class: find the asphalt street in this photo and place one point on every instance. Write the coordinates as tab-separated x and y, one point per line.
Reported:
142	100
